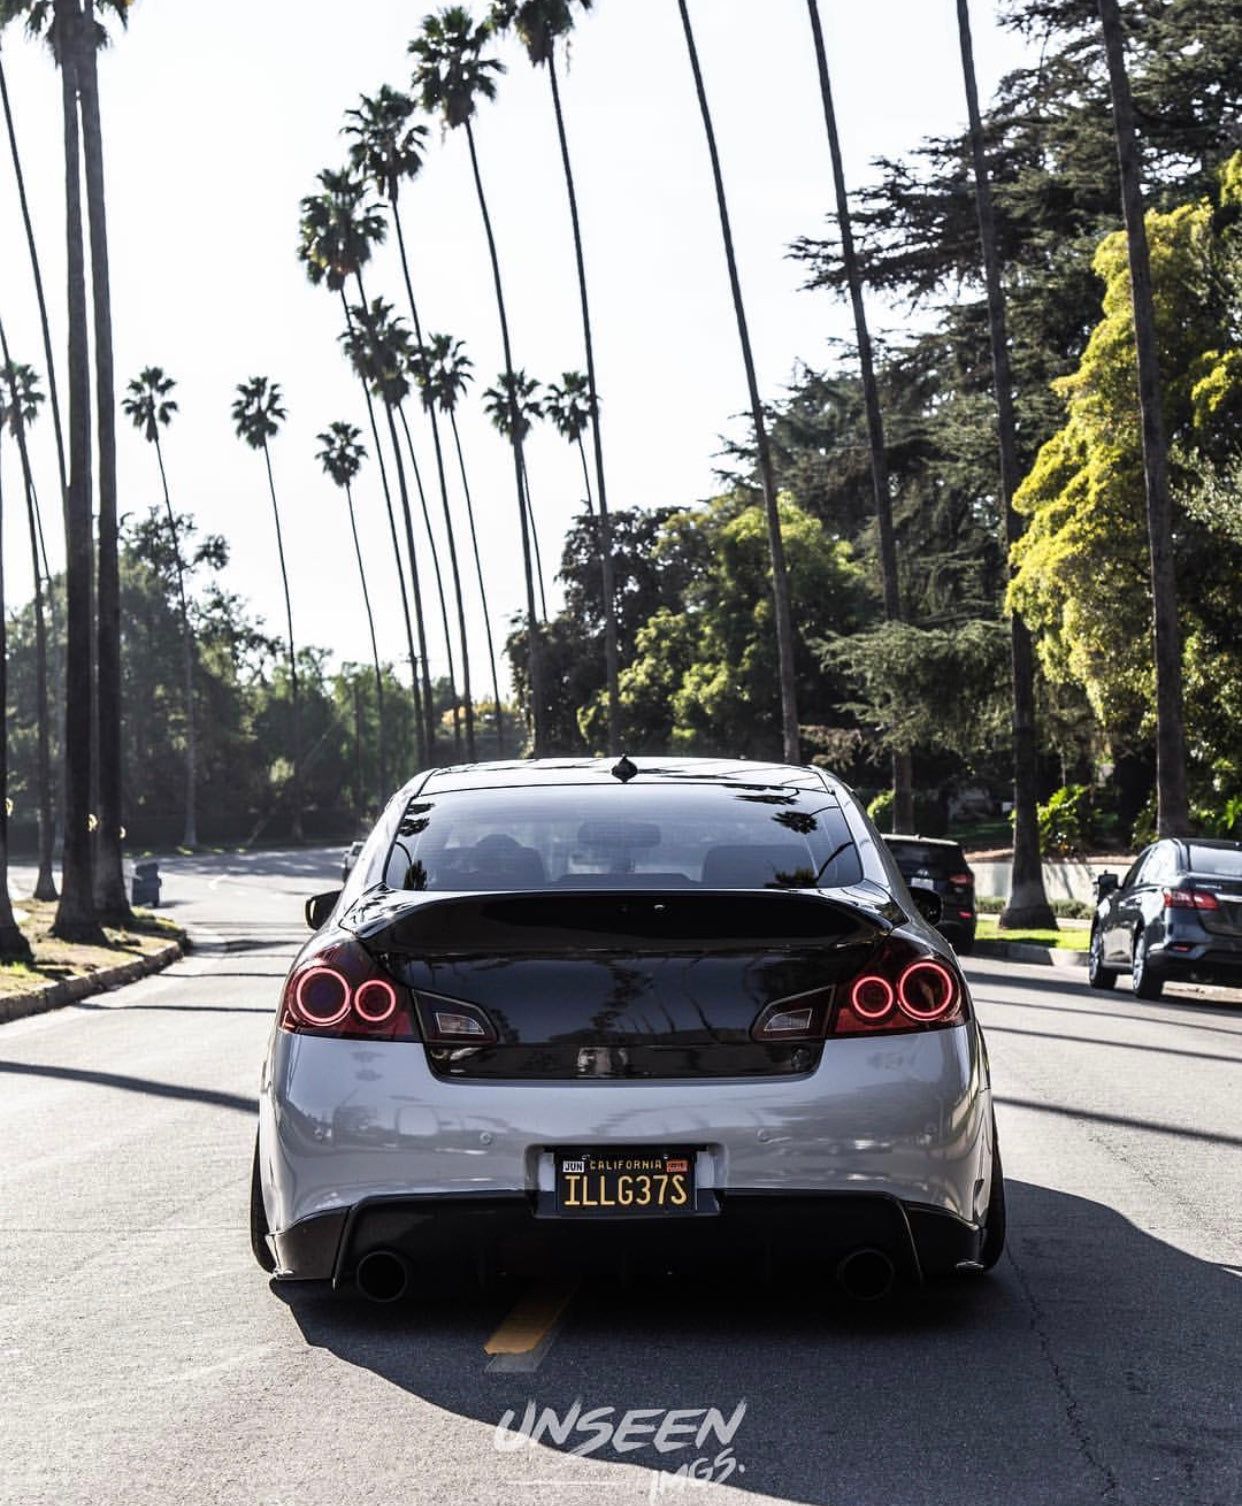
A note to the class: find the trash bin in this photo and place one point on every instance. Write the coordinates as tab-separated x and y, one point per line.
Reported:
146	885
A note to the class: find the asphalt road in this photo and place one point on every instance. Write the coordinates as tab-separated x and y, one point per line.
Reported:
145	1358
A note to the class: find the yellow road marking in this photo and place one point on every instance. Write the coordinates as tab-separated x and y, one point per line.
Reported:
534	1317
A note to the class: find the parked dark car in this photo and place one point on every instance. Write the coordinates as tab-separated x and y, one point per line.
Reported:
1175	917
939	864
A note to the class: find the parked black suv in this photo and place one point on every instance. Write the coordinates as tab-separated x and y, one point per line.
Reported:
935	863
1176	916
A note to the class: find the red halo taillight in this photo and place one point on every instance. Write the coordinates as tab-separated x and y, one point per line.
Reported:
339	989
901	988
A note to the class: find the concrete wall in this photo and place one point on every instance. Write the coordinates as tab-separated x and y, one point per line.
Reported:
1070	879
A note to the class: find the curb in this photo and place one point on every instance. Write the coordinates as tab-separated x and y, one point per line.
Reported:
70	990
1027	951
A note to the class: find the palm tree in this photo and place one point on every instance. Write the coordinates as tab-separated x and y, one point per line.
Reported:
110	893
341	457
151	408
20	397
388	150
568	408
13	945
257	416
378	348
1171	801
451	75
1028	900
6	12
903	792
444	372
539	24
513	406
780	579
338	231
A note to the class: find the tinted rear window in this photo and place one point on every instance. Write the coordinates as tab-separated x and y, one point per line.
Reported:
912	856
1221	862
654	836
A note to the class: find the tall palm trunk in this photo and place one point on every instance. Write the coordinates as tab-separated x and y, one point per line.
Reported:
1028	900
780	579
903	791
109	875
293	656
45	883
379	678
534	539
607	581
586	479
449	531
439	574
403	490
189	835
420	725
53	386
478	570
1171	801
534	661
13	945
76	918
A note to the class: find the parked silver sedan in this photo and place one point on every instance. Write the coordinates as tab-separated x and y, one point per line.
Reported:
647	1004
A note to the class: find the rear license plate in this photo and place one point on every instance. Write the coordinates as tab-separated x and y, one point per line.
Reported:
636	1182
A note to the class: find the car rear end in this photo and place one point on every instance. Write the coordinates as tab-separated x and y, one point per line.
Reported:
1200	935
718	1060
941	865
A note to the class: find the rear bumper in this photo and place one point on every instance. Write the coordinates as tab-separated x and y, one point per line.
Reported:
906	1120
1197	963
792	1233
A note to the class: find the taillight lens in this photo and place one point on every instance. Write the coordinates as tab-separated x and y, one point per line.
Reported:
965	880
902	988
1190	899
340	990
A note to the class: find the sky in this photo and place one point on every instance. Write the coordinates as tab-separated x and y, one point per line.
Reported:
215	126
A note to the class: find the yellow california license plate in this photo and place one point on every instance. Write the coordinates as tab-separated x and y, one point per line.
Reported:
626	1183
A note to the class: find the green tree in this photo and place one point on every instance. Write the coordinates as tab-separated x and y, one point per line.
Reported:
341	457
451	75
783	624
150	407
258	413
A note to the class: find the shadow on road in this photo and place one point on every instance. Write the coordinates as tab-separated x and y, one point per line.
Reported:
1097	1362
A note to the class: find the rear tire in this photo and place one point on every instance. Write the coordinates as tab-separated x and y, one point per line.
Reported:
993	1246
258	1217
1147	984
1099	976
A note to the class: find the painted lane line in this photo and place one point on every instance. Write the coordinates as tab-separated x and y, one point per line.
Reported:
521	1342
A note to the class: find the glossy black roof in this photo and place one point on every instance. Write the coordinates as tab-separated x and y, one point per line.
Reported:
526	773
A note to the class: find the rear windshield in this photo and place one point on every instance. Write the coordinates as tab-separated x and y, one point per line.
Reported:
913	856
1222	862
657	836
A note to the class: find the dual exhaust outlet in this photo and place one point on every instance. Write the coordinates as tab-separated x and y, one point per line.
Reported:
864	1275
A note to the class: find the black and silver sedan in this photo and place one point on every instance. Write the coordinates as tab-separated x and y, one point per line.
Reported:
643	1002
1175	917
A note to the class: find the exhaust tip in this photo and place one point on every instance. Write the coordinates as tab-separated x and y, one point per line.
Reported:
866	1275
383	1276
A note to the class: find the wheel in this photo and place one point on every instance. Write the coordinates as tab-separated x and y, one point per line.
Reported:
258	1217
1099	976
966	945
993	1246
1146	983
